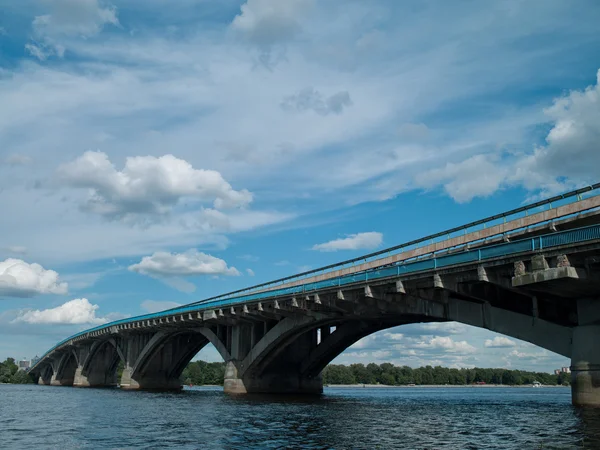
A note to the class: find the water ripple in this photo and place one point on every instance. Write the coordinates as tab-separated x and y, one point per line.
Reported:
419	418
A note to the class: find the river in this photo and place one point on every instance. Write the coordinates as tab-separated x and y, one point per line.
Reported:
34	416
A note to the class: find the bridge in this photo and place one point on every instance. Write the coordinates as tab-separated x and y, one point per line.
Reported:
532	273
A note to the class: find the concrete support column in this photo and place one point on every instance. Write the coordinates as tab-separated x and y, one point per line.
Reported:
585	366
280	376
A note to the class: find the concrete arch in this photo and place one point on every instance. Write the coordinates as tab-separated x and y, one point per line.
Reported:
64	375
160	362
99	367
289	359
95	349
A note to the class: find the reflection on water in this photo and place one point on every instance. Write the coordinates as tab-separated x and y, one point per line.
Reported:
498	418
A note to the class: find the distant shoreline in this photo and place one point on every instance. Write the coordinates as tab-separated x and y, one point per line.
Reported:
439	386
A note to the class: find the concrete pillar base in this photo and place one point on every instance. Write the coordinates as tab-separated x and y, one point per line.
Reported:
270	383
93	380
289	386
585	366
149	383
585	385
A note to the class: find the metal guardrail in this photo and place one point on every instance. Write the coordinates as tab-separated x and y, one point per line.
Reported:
553	202
556	239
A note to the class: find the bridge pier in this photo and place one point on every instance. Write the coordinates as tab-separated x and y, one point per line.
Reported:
278	382
585	366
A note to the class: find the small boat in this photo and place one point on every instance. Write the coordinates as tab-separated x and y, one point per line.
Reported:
537	384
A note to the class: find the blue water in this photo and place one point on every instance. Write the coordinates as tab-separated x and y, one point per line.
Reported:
416	418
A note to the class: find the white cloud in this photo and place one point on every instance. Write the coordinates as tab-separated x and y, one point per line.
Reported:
357	241
268	22
567	160
20	279
190	263
250	272
477	176
447	344
366	342
572	149
394	336
77	311
447	327
147	185
499	342
311	99
152	306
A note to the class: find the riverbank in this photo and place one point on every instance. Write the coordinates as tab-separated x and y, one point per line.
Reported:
440	386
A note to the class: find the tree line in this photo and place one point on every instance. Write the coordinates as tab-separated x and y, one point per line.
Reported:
10	373
202	372
388	374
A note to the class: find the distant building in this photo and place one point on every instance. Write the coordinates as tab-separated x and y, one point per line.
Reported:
565	369
24	364
34	360
556	371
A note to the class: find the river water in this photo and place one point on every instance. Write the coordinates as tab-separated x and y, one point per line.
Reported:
34	416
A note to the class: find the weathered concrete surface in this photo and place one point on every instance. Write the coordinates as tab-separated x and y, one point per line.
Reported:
585	366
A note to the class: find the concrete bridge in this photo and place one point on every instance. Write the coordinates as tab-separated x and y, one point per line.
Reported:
531	273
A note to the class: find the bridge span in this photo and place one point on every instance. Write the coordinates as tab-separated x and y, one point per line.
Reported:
532	273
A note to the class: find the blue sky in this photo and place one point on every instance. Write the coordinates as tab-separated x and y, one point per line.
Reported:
153	155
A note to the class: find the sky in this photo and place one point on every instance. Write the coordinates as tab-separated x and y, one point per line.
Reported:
154	154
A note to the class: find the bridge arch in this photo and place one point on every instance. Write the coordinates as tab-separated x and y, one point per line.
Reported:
161	361
64	375
289	358
99	364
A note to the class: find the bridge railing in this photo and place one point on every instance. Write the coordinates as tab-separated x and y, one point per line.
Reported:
438	241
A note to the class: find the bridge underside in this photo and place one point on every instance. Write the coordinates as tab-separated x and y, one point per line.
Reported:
281	345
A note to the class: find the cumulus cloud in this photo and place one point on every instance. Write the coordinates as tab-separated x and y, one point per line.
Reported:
20	279
309	99
394	336
499	342
190	263
366	342
478	176
268	22
444	327
152	306
250	272
357	241
446	343
541	354
568	158
147	186
572	149
76	312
